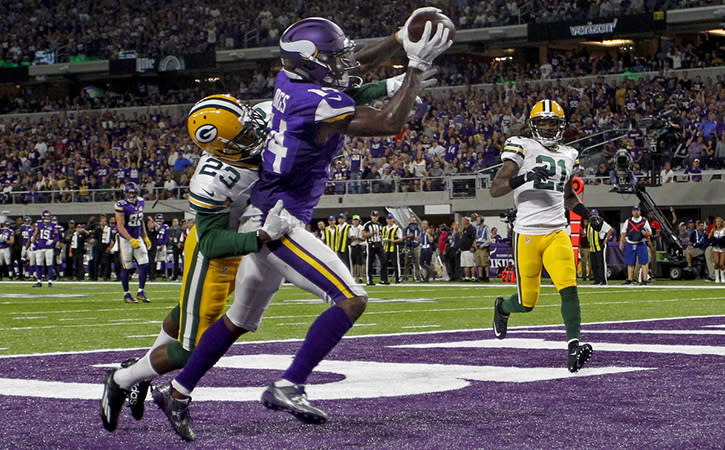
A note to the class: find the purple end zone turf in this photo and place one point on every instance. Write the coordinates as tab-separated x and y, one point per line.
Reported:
677	403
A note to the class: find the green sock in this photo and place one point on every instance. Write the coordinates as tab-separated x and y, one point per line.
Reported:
570	312
512	304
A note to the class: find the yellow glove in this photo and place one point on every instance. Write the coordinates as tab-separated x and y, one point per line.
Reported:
147	241
134	243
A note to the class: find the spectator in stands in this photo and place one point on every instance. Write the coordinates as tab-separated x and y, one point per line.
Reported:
667	175
694	171
170	187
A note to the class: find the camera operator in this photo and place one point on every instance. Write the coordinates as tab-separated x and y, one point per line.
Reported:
411	241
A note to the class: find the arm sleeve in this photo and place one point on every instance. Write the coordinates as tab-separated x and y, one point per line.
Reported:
513	150
217	241
368	92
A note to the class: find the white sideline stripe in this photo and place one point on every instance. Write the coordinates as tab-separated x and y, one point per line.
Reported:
142	336
93	284
30	317
45	327
122	308
67	319
367	336
714	326
289	324
663	332
421	326
541	344
4	348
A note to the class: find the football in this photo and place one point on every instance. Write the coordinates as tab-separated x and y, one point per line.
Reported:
415	28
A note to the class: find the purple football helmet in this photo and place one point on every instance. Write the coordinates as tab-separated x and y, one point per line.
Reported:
317	50
131	191
159	218
45	215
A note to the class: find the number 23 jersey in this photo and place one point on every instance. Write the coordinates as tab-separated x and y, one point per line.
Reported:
218	187
540	205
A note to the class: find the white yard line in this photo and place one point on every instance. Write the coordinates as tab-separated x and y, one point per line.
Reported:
368	336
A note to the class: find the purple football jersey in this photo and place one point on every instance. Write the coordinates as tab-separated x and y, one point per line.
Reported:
162	236
46	235
4	236
295	167
26	231
132	214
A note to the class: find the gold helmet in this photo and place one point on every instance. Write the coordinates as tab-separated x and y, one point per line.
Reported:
227	128
546	110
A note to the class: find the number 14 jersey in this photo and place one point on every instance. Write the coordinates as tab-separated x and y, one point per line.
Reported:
540	205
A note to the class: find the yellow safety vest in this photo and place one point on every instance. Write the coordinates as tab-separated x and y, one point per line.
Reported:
342	236
389	233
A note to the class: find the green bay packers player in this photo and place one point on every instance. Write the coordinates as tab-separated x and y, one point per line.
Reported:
539	171
230	134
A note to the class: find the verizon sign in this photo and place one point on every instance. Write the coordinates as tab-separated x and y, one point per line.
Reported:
593	28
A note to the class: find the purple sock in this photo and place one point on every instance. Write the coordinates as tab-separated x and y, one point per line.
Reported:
323	335
51	273
124	279
214	343
142	270
40	272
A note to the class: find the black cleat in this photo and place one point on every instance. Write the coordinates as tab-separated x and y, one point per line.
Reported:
500	319
578	355
111	401
293	399
137	394
627	282
177	411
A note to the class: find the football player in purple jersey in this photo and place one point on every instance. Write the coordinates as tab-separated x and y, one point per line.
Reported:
26	232
311	114
133	243
6	241
162	239
45	240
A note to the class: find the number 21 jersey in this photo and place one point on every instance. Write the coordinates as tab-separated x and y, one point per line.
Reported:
540	205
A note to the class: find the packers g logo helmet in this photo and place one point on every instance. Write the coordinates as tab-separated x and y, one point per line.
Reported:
549	111
225	127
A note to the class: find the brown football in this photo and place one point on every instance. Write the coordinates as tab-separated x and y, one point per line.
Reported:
415	28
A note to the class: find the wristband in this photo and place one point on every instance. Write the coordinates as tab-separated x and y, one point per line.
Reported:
582	210
517	181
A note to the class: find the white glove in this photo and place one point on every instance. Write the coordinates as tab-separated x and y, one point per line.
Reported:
422	53
277	224
427	79
402	34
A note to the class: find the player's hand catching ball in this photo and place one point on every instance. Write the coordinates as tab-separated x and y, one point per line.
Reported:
402	34
422	52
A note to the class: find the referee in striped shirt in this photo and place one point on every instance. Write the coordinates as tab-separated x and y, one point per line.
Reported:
372	233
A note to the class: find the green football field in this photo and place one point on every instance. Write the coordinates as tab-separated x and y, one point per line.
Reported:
88	316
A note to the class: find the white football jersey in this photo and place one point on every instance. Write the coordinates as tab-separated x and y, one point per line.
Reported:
219	187
540	205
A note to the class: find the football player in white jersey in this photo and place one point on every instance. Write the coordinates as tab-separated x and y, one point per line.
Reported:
539	172
230	134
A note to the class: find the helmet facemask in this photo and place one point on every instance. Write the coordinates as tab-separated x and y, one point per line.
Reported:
548	129
248	142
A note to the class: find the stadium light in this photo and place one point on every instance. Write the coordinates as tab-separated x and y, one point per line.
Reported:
610	42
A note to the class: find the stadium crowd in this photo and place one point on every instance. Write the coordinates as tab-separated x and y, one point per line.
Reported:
106	29
454	70
461	133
